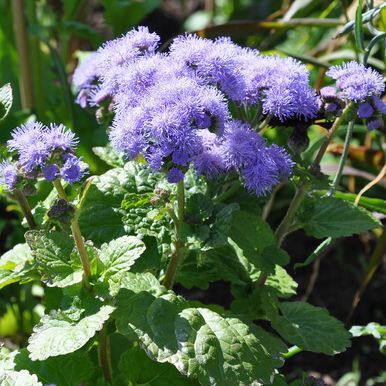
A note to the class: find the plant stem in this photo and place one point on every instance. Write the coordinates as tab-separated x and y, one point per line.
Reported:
282	229
77	237
292	351
25	208
228	193
178	252
343	159
104	355
25	82
287	222
338	121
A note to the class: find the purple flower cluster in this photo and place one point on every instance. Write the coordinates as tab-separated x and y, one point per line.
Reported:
173	109
360	85
45	150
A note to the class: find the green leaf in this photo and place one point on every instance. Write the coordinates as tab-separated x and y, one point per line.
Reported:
59	335
18	378
199	208
199	342
374	329
119	255
310	328
6	99
358	27
102	203
369	203
65	370
56	257
110	156
255	244
331	217
17	256
13	265
283	284
139	370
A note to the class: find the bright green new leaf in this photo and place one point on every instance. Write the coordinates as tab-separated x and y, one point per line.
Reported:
56	335
120	254
310	328
332	217
15	257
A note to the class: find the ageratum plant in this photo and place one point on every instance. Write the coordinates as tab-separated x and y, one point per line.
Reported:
184	204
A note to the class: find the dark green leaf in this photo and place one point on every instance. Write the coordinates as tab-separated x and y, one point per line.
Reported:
358	29
64	370
138	369
310	328
369	203
331	217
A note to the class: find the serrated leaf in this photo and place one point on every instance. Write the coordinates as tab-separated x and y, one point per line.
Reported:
52	252
120	254
198	208
283	284
137	369
6	99
310	328
200	343
331	217
66	370
53	336
18	378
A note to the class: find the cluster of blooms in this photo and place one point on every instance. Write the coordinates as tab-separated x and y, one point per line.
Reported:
174	109
360	85
42	150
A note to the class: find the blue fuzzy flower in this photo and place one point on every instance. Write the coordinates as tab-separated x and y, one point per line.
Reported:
8	175
356	81
73	168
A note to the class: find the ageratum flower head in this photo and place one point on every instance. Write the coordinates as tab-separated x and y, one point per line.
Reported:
362	86
46	150
97	77
8	175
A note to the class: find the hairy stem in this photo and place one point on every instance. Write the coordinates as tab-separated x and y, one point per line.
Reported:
77	237
343	159
25	208
104	355
178	252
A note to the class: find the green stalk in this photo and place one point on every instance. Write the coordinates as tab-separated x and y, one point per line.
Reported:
285	226
178	253
25	81
77	237
338	121
292	351
25	208
343	159
286	223
104	355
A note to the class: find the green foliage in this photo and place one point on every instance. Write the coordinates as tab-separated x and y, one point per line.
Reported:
62	333
310	328
331	217
199	342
